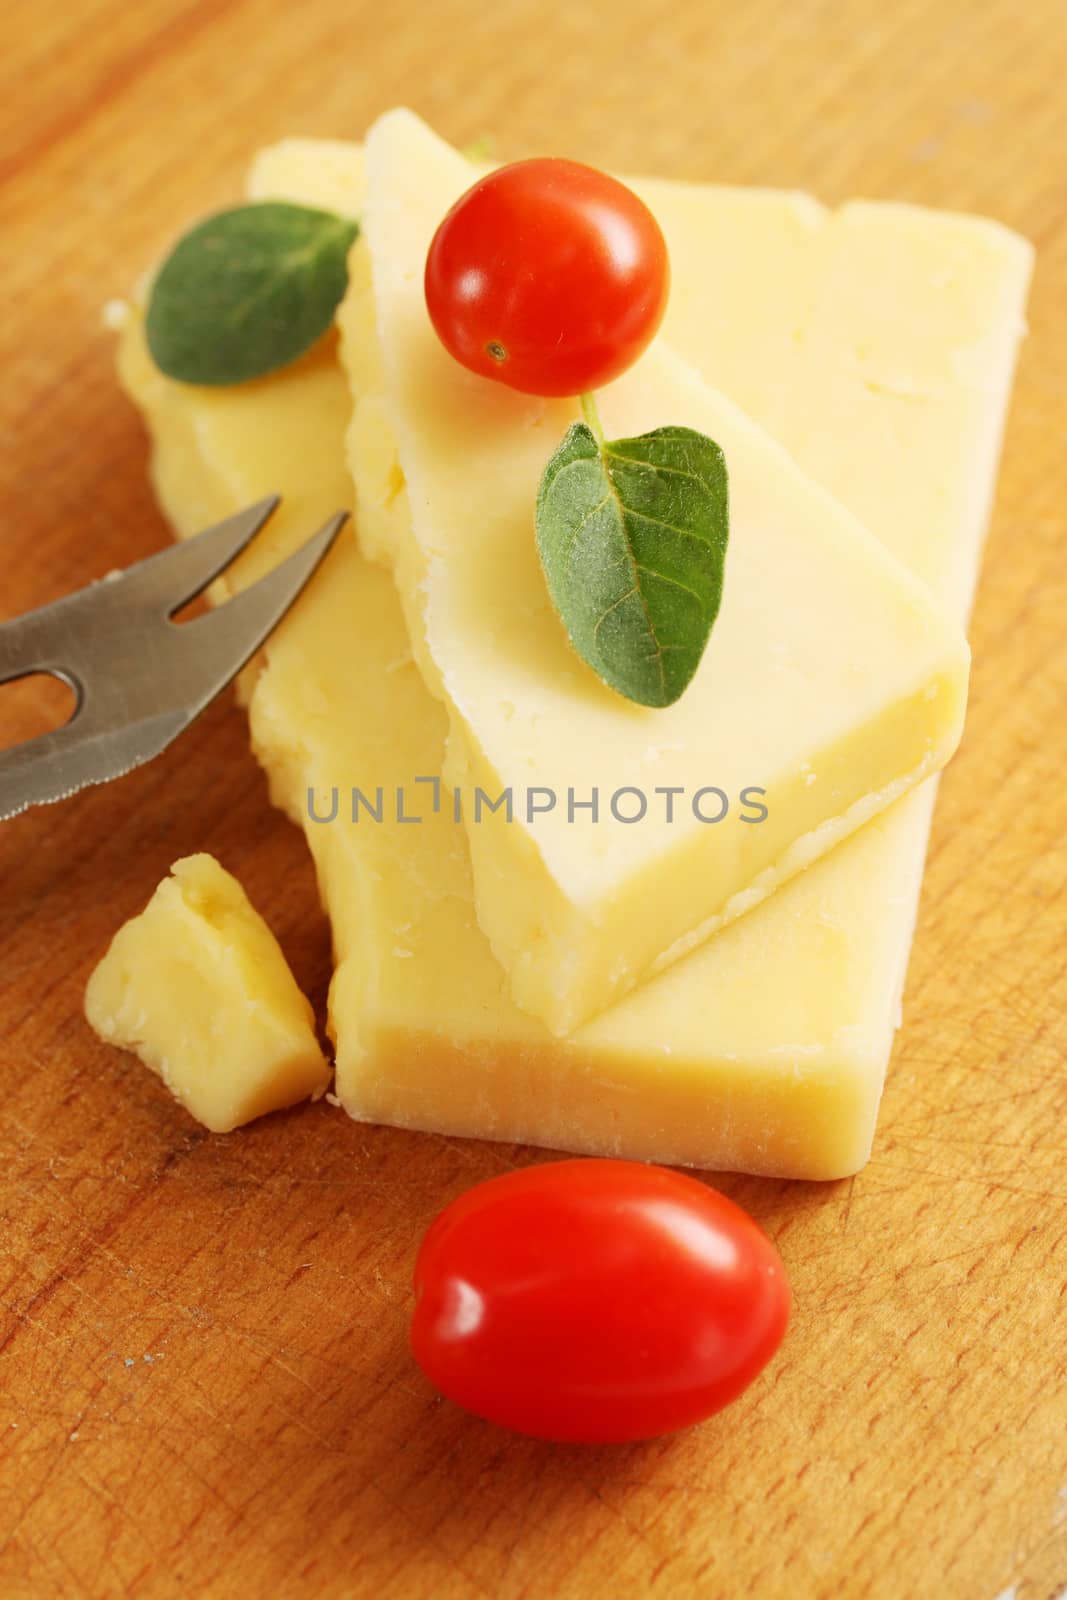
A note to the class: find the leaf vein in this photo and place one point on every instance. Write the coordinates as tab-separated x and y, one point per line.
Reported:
588	517
692	473
637	587
672	527
665	577
615	604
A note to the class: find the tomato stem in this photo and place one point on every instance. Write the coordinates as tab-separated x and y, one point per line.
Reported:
592	416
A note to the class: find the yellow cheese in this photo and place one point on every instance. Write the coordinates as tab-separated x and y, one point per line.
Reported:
831	684
700	1065
881	355
198	987
765	1050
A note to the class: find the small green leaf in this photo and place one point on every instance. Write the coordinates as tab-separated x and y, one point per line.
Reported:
632	537
248	291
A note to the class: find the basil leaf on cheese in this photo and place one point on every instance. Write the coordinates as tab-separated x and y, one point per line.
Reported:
632	536
248	291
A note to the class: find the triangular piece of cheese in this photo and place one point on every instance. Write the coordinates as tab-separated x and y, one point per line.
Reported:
831	684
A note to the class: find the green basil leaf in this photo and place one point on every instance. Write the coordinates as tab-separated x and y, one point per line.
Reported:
248	291
632	536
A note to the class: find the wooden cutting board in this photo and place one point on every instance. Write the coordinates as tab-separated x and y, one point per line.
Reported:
204	1386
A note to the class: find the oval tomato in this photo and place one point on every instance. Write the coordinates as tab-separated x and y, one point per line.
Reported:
548	276
596	1301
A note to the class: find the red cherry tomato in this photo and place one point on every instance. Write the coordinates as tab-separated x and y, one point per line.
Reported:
596	1301
548	276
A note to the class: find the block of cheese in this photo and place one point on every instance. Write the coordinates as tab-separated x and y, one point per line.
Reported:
831	683
899	327
198	988
764	1050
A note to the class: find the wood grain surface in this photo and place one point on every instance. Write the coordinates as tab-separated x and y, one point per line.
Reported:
204	1384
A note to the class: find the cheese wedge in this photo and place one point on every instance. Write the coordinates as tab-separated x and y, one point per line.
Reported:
831	685
198	987
765	1050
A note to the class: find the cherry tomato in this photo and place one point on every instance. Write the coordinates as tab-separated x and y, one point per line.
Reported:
596	1301
548	276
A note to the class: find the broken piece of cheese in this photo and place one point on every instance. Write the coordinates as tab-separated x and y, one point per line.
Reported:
765	1050
197	986
831	684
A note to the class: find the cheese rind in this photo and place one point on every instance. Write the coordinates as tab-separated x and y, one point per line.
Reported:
765	1050
830	683
198	988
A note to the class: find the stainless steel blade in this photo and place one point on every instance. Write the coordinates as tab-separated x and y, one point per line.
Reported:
141	679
